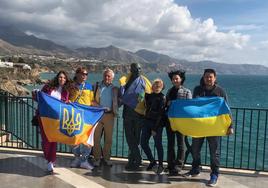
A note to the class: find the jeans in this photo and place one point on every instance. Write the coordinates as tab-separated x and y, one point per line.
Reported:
213	143
171	155
82	150
133	123
145	137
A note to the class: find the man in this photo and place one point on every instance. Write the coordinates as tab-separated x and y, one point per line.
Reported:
82	93
208	88
106	95
132	96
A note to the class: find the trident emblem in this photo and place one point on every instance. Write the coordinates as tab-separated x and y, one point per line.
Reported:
71	124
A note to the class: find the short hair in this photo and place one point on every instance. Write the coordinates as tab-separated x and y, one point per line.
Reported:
79	70
108	70
158	80
211	71
181	73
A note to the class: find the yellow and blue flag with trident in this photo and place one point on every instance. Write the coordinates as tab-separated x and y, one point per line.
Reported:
70	123
200	117
134	95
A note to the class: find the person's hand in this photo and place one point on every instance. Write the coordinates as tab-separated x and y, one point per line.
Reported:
230	131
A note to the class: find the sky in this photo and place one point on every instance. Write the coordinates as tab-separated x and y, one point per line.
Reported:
226	31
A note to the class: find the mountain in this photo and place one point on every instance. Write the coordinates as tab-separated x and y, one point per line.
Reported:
18	38
154	57
14	42
167	63
111	53
9	49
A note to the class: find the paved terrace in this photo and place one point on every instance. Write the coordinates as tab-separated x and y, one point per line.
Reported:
21	169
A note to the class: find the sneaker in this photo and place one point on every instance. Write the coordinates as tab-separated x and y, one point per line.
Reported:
97	163
108	162
192	173
213	180
151	165
86	165
159	170
75	163
50	167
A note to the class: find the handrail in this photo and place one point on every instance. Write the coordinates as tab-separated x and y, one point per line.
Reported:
246	149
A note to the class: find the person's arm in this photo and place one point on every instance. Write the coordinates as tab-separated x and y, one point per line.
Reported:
161	114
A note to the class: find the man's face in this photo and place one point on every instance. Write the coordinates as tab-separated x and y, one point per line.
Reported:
135	68
209	79
108	78
82	76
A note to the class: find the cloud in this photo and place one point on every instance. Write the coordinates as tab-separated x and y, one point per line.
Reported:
162	25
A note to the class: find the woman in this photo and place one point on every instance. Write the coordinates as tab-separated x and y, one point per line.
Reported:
177	91
57	89
155	107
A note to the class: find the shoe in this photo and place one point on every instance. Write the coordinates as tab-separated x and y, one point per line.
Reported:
213	180
86	165
75	163
191	173
97	163
108	162
131	167
151	165
50	167
159	170
172	172
178	168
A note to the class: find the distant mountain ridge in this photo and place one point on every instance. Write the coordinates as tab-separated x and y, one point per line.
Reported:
14	41
110	53
18	38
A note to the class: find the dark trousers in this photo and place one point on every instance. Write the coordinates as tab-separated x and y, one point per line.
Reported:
146	134
133	124
171	155
213	143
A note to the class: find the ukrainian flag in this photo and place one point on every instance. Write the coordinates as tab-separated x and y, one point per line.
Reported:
71	123
200	117
134	95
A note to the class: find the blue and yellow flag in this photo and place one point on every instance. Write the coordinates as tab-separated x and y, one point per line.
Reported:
134	95
200	117
71	123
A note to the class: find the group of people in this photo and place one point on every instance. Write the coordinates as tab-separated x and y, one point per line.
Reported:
139	125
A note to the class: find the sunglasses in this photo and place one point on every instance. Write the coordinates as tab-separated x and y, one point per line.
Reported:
84	73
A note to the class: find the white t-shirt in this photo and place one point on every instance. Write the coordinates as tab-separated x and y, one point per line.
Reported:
56	93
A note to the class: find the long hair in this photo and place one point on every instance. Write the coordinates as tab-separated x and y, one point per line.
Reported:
54	83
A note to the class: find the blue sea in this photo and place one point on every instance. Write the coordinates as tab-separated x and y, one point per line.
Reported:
243	91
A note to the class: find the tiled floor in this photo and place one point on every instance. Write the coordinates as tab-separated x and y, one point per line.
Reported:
19	169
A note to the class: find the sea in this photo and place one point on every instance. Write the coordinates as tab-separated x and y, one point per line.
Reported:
244	91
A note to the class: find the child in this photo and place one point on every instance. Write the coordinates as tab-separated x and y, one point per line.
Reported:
155	107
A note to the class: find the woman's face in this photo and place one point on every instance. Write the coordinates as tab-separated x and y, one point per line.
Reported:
157	87
176	80
61	79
